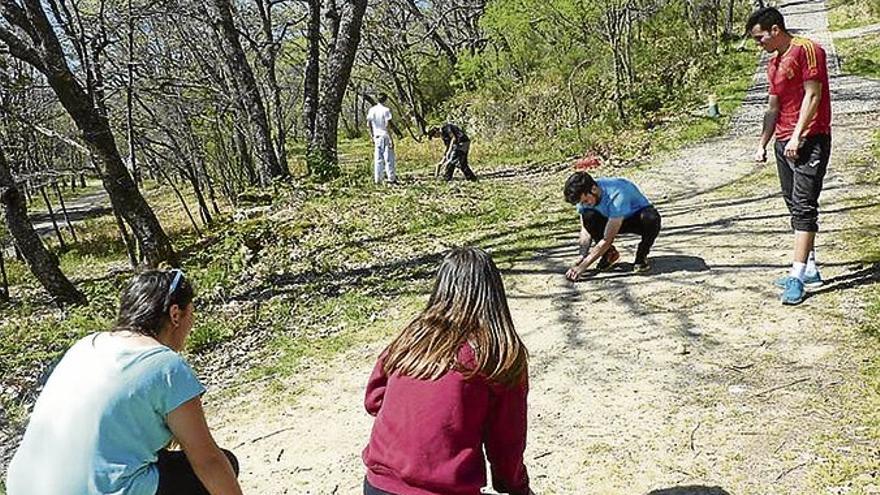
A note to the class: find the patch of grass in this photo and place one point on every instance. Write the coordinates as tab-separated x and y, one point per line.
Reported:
860	56
93	186
31	336
38	205
333	327
17	272
764	177
729	78
846	14
849	461
211	328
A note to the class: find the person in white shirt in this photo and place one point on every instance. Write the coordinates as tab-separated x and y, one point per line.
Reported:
384	162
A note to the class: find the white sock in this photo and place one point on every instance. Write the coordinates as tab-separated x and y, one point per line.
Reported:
812	269
797	270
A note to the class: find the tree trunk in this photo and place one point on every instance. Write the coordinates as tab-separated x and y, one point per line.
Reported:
728	24
43	264
126	240
310	81
249	94
64	211
270	62
245	159
438	40
86	113
182	201
61	242
4	281
321	154
209	182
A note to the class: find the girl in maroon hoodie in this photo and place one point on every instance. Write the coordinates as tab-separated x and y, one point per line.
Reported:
453	383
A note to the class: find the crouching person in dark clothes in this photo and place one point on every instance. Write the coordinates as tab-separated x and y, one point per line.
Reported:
608	207
458	145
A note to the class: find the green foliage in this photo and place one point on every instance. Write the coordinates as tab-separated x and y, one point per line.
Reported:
212	327
322	167
846	14
860	56
29	336
547	85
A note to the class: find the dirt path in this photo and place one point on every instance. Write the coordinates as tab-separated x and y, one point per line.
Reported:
857	32
79	209
692	377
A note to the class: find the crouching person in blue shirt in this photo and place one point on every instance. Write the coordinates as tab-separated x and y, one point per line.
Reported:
609	207
112	406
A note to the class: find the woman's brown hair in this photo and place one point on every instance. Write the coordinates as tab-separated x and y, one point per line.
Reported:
145	301
468	304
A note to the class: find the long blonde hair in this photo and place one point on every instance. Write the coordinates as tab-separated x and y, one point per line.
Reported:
468	304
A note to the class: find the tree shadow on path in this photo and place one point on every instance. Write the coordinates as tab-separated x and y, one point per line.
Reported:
690	490
862	276
662	264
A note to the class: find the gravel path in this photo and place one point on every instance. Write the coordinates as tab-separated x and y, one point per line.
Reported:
856	32
693	379
79	209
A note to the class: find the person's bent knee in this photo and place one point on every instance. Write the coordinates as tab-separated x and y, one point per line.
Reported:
805	224
232	460
650	216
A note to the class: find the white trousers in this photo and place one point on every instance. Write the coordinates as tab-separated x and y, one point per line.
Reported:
384	162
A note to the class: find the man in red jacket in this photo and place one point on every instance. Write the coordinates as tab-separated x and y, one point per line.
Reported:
799	114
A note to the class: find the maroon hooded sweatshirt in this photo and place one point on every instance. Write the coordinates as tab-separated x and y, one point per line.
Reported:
429	435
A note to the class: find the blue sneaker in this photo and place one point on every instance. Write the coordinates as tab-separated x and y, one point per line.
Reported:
794	291
811	281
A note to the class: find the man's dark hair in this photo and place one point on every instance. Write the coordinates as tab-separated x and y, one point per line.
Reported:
382	98
766	17
434	132
578	183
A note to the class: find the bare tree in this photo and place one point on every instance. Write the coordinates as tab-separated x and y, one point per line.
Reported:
43	264
346	30
311	76
43	50
248	91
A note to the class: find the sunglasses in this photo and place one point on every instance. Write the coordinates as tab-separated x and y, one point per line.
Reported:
175	283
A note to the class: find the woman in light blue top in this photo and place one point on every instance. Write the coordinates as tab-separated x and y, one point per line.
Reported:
112	406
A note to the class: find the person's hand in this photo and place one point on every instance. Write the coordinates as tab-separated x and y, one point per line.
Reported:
791	149
573	273
761	154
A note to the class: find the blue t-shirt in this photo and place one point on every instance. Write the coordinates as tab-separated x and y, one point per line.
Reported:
620	198
100	420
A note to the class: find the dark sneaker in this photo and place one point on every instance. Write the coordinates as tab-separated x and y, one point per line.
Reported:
608	259
794	291
811	281
641	267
